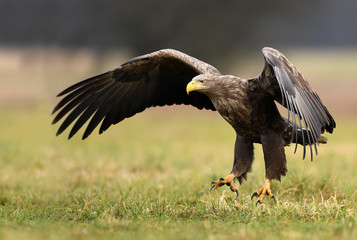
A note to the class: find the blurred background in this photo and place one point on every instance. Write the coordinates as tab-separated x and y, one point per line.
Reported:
51	186
47	45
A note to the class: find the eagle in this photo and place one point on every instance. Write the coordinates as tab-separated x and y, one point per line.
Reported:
168	77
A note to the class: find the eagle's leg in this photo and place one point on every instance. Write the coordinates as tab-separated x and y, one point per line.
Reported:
275	162
265	189
228	180
243	159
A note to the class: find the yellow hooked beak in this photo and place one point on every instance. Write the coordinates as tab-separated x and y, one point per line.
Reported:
193	85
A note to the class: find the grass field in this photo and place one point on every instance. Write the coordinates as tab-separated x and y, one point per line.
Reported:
139	182
152	183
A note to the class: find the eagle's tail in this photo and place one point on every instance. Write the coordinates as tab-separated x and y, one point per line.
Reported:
303	136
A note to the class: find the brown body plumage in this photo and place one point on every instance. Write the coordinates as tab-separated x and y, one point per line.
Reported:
161	78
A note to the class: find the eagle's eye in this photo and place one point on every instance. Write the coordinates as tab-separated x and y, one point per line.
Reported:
202	81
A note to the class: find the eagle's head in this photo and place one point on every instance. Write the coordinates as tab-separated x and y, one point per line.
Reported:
201	83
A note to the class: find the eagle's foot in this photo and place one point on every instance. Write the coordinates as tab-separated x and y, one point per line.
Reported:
228	180
265	189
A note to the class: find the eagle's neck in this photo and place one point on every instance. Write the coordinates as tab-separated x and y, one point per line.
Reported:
231	99
227	88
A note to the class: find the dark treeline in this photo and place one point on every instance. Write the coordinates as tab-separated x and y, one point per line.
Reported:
200	27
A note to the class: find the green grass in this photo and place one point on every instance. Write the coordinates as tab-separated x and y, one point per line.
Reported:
139	182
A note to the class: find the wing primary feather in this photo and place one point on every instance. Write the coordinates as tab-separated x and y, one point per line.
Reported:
66	99
109	117
77	96
103	109
101	98
75	113
294	123
300	125
83	83
307	122
286	101
281	86
97	117
303	119
89	87
72	104
125	103
312	117
83	118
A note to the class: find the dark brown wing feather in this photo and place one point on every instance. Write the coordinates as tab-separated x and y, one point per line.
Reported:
155	79
289	87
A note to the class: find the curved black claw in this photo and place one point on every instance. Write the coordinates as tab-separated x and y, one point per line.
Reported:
237	194
273	197
257	202
254	194
213	184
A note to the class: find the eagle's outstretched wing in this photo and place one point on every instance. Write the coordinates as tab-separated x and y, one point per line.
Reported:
155	79
289	87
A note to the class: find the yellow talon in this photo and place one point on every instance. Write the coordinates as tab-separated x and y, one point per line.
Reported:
228	180
265	189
